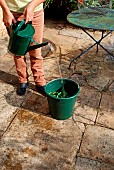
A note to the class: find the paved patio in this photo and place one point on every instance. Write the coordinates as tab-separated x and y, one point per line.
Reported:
30	139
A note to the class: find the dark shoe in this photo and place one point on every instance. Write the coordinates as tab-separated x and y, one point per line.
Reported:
21	90
41	90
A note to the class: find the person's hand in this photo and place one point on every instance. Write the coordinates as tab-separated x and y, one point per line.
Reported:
29	10
29	13
8	19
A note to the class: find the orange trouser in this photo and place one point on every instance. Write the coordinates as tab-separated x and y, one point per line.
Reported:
36	59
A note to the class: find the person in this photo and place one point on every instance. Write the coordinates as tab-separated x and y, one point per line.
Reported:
81	1
17	10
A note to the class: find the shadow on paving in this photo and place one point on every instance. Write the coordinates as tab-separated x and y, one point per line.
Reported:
31	98
32	101
12	79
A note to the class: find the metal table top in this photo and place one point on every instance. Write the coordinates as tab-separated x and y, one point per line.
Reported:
94	18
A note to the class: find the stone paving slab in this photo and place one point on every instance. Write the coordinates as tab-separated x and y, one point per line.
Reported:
87	66
3	46
31	142
107	102
94	72
6	113
73	31
36	103
87	105
89	164
108	66
106	112
5	88
98	82
111	87
59	40
98	144
7	63
52	68
105	118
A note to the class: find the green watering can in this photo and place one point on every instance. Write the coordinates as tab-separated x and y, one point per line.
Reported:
21	38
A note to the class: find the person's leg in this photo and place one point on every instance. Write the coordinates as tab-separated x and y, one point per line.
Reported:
35	55
21	67
20	62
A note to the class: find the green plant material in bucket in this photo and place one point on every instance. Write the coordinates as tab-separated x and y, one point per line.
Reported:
61	93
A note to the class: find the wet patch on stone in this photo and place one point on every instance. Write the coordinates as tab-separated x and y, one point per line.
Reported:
36	103
79	78
41	140
13	99
87	67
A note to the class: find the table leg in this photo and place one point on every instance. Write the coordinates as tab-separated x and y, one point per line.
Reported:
81	54
96	42
100	41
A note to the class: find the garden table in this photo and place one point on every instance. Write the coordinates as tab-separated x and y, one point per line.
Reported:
96	18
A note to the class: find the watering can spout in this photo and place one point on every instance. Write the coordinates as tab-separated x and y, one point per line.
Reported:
30	48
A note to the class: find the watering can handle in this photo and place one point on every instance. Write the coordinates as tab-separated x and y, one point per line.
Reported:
19	25
36	46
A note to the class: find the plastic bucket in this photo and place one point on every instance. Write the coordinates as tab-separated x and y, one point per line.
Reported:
62	108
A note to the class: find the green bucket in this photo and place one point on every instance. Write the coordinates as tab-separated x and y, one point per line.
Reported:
62	108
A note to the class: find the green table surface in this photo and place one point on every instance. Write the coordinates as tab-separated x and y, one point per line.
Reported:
93	18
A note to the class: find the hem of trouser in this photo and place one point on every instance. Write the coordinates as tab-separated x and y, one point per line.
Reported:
37	84
23	82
